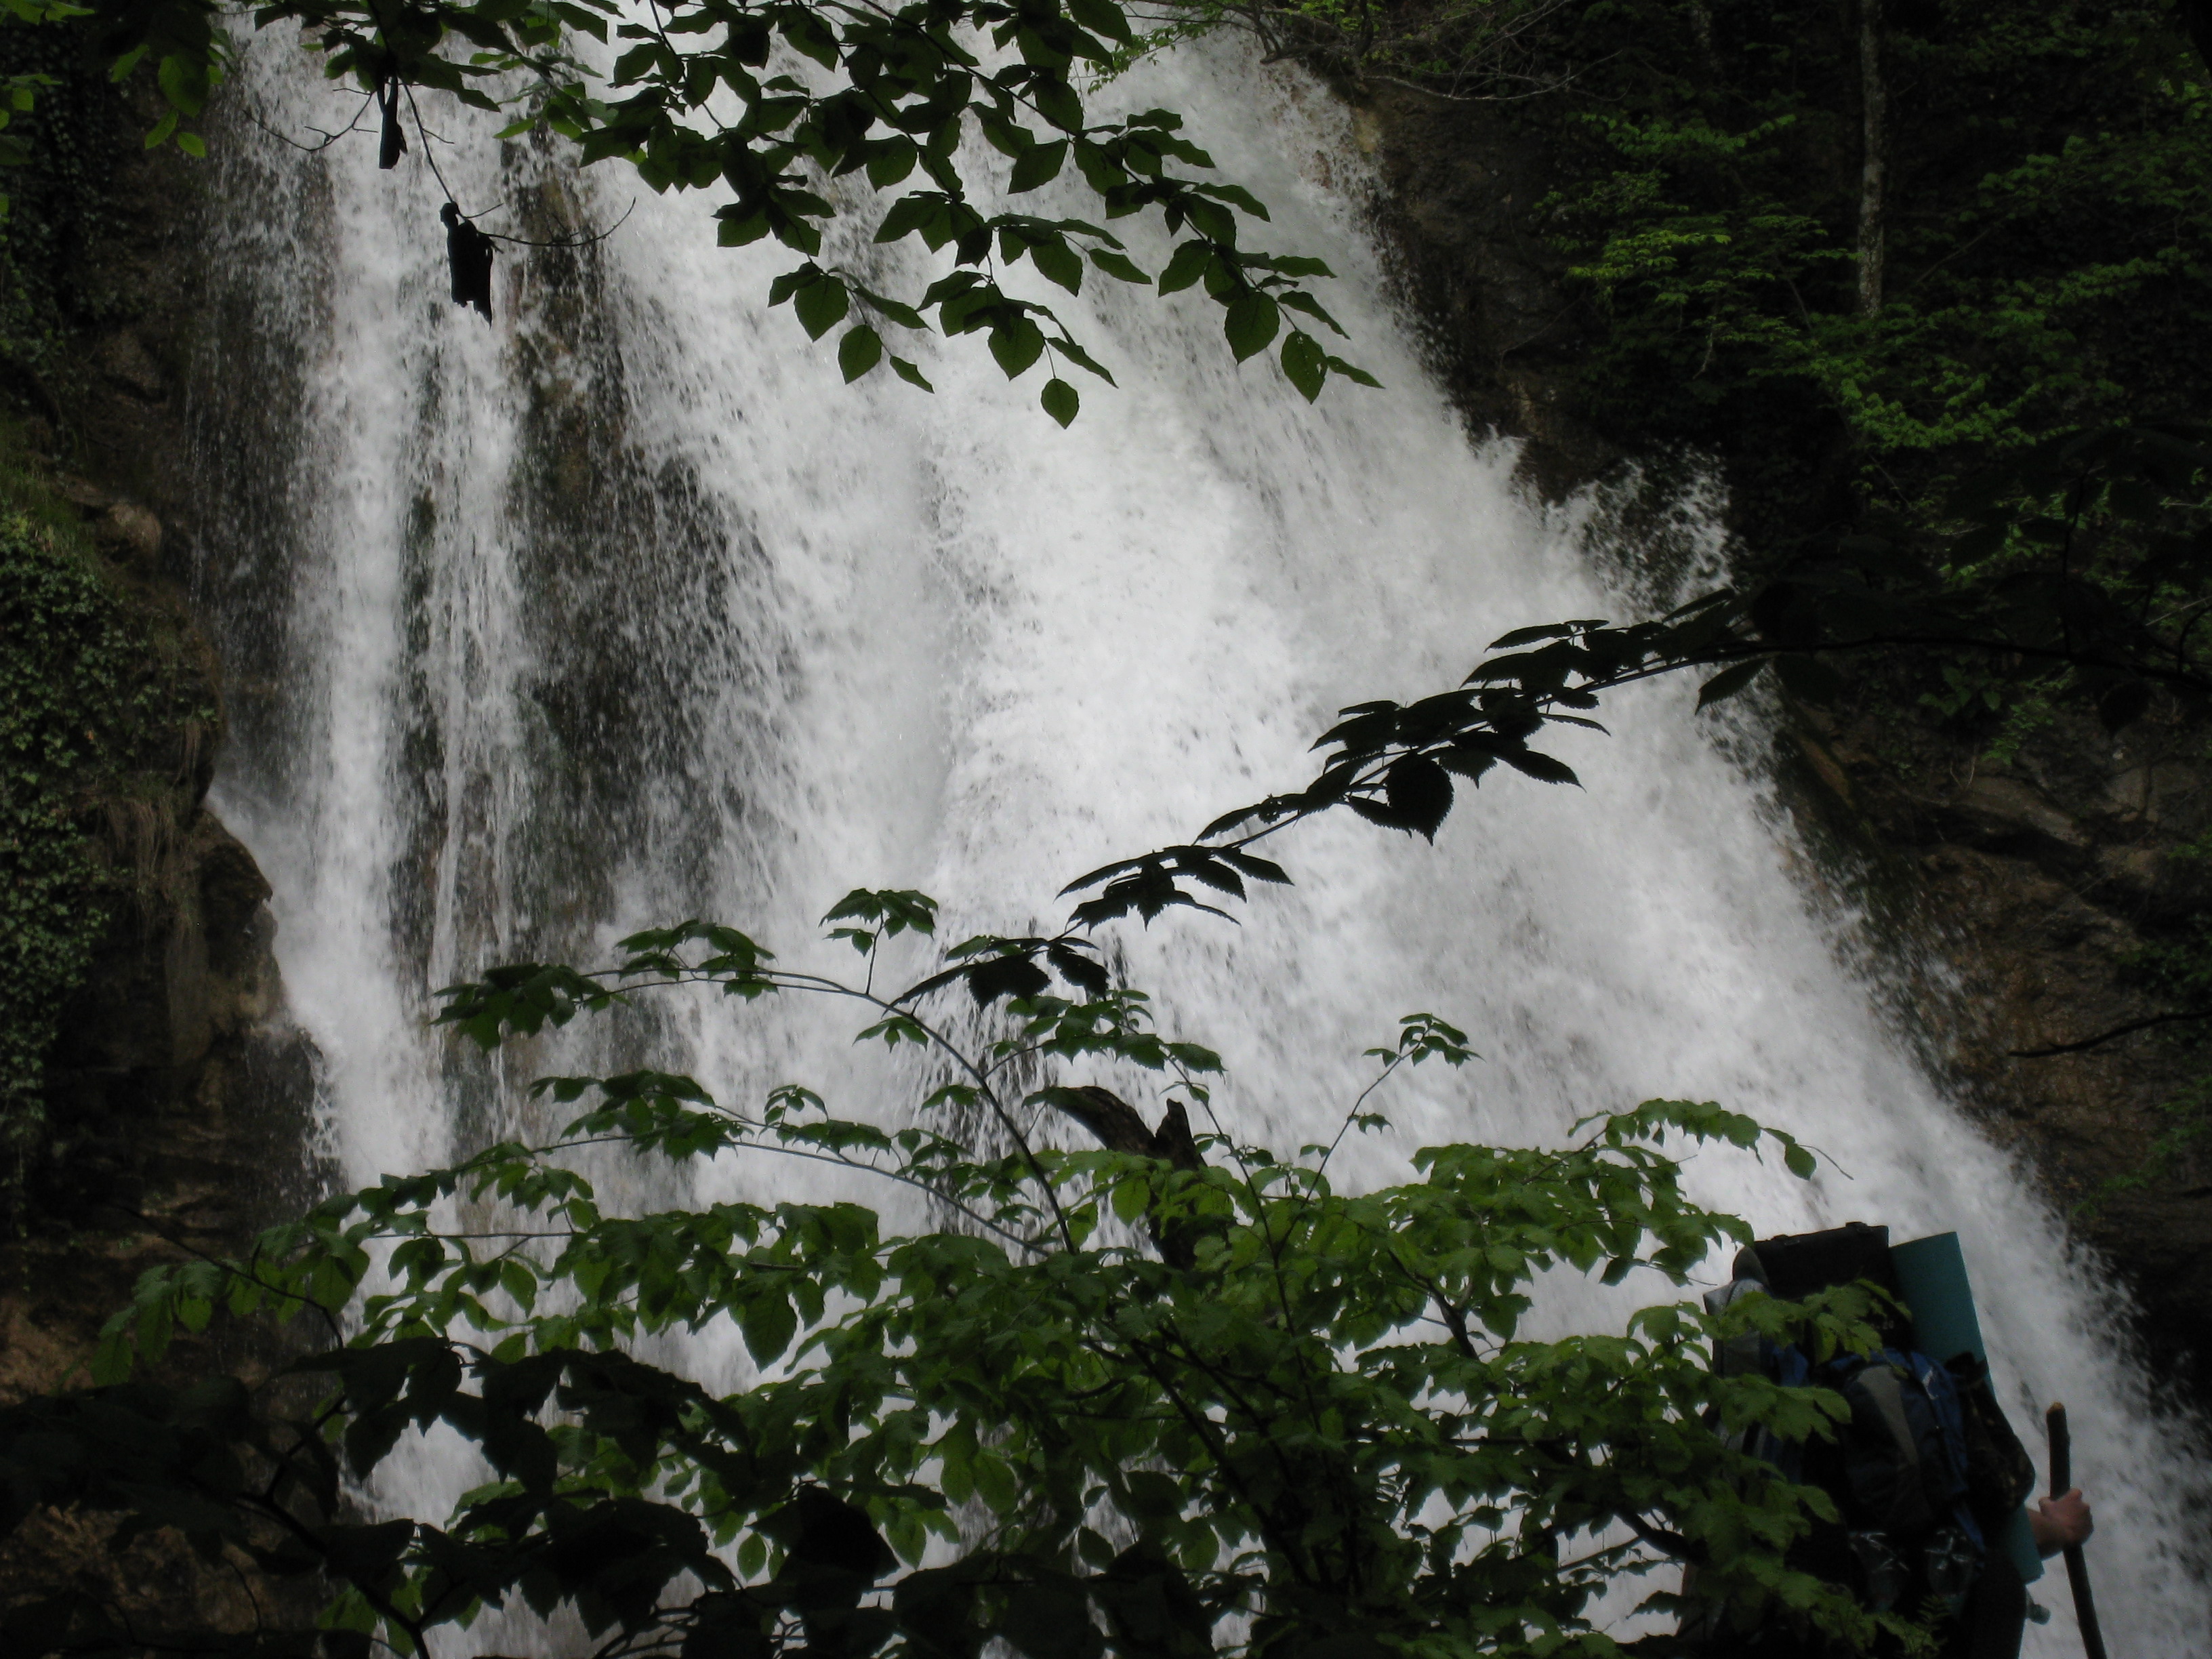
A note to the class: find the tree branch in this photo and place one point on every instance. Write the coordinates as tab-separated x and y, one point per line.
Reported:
2117	1031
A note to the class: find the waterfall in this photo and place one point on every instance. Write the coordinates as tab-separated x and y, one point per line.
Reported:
623	609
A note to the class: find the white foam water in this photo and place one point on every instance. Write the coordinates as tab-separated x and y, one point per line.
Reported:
623	609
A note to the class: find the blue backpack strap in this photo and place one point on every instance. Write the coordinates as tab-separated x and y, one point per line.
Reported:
1791	1367
1943	1391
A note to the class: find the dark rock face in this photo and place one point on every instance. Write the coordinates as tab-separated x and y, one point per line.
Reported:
176	1123
2016	899
180	1096
180	1089
1460	183
2038	888
178	1108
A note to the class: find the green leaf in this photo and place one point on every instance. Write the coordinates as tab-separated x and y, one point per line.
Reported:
1539	765
1297	301
912	375
909	213
1016	345
1132	1198
1251	322
733	232
899	909
995	1484
860	351
1532	635
1061	400
184	82
1305	363
1103	17
891	165
1051	1620
821	305
1059	264
1082	359
1151	1496
891	310
769	1324
1037	166
1186	266
1118	265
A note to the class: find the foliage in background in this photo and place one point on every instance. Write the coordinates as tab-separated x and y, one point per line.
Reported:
2046	225
1478	50
2047	245
55	153
1297	1422
19	87
22	87
89	696
2177	970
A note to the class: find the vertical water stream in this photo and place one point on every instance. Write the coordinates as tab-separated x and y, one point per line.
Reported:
623	609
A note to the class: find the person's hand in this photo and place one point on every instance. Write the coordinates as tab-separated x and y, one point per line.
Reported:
2061	1522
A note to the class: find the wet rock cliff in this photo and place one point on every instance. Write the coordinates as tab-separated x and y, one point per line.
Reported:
173	1115
177	1089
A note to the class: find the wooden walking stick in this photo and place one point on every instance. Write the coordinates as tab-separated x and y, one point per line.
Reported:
2077	1569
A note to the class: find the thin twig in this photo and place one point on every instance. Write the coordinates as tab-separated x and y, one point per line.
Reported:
2117	1031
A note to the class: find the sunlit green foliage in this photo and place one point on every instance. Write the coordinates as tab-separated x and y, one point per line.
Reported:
1313	1423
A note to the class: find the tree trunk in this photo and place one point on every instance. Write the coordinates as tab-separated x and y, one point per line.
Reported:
1874	106
1119	1129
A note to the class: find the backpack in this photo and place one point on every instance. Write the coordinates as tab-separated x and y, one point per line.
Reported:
1924	1471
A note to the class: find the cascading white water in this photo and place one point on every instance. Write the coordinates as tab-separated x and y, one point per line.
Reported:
623	609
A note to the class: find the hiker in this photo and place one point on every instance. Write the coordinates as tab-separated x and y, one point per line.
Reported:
1930	1481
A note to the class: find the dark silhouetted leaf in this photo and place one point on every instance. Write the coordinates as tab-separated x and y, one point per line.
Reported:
1419	793
1539	766
1006	976
1036	166
1730	680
